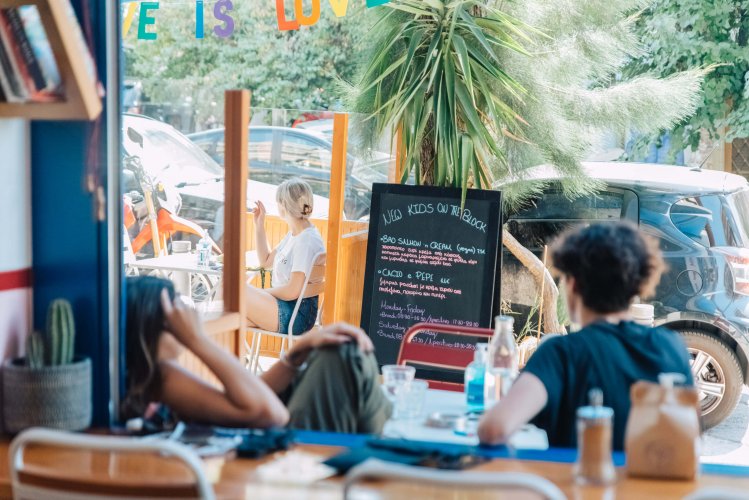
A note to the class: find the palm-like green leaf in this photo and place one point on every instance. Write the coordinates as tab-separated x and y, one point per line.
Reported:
436	74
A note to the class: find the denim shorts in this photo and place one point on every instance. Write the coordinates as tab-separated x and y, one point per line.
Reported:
305	317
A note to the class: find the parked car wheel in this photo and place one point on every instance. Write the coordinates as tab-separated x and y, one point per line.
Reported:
717	374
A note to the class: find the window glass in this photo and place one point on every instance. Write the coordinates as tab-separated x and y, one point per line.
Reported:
260	146
304	153
740	203
705	220
555	205
547	216
172	156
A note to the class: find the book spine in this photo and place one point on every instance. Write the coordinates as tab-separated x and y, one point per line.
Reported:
37	37
27	52
16	57
6	74
14	75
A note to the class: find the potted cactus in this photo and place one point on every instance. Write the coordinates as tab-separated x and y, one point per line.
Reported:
49	387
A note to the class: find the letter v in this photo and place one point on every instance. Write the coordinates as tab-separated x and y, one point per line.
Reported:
339	7
128	21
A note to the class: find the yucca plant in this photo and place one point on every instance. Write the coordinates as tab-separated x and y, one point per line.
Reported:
483	91
436	75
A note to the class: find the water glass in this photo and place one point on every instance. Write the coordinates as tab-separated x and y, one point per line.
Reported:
409	402
394	377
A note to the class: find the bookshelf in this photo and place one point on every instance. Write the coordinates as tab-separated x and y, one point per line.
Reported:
80	100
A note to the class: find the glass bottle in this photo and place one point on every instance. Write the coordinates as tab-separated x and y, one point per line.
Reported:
474	380
594	464
502	361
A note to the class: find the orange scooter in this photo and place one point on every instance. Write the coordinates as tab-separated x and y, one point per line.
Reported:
157	225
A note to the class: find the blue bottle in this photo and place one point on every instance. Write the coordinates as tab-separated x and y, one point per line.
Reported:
474	379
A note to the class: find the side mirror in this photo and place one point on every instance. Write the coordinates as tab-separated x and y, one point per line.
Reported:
135	136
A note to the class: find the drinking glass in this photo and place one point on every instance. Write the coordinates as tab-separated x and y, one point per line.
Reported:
394	377
410	398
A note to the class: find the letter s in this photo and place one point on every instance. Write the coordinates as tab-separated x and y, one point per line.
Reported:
220	12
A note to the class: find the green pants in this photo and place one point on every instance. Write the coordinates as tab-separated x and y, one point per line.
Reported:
338	392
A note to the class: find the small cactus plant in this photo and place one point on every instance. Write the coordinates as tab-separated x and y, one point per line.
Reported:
60	333
35	351
56	345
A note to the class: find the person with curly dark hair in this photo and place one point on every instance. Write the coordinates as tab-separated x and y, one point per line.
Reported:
603	267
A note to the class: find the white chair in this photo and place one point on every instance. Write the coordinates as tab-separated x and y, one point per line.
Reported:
314	285
33	485
378	469
717	493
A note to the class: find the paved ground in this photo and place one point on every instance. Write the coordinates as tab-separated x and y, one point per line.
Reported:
728	443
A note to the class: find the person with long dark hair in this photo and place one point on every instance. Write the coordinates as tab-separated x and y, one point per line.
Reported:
327	380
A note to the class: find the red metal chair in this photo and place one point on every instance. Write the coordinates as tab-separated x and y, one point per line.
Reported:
435	356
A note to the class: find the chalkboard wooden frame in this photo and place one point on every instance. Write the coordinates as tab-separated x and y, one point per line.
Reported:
492	280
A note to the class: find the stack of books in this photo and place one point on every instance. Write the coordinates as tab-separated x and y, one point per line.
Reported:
28	70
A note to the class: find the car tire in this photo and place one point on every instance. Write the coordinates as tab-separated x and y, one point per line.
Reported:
720	380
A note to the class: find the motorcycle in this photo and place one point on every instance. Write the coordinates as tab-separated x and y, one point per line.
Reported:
151	208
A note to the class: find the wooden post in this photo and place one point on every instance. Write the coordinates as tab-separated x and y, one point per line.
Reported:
237	122
395	172
335	213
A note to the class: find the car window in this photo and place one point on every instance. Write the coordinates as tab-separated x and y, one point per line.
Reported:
542	219
260	146
705	220
174	157
740	203
606	205
300	151
212	144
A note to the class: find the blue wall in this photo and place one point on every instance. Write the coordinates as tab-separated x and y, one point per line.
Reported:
69	246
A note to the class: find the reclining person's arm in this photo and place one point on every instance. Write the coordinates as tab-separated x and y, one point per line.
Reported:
245	399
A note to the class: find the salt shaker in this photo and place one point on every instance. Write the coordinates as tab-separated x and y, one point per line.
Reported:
594	464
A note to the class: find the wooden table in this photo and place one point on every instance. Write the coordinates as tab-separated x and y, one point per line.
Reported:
235	478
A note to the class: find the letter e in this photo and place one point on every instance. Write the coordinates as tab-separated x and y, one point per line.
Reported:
145	19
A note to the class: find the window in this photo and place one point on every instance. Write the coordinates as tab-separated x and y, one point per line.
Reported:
543	219
705	220
304	153
260	149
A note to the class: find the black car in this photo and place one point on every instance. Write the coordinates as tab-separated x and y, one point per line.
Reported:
280	153
701	220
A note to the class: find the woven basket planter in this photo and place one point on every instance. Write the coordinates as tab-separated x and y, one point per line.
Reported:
54	396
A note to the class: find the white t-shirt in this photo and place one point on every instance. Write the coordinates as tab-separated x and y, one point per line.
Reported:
295	254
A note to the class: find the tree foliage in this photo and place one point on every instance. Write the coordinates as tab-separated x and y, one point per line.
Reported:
289	69
541	77
682	34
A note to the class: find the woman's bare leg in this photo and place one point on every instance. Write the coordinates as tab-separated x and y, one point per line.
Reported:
262	309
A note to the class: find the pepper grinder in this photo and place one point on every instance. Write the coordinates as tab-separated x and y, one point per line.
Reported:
594	464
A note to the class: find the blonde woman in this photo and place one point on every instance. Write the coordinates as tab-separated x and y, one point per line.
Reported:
271	309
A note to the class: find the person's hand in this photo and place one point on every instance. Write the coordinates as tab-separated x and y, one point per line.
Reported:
259	213
181	320
329	335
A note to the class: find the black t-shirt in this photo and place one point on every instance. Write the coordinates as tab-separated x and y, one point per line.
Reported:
605	355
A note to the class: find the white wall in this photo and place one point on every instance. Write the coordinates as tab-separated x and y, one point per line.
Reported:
15	238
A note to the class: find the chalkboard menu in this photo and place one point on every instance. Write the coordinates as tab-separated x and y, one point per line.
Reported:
428	260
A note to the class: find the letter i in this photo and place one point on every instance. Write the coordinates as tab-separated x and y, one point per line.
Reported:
199	19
